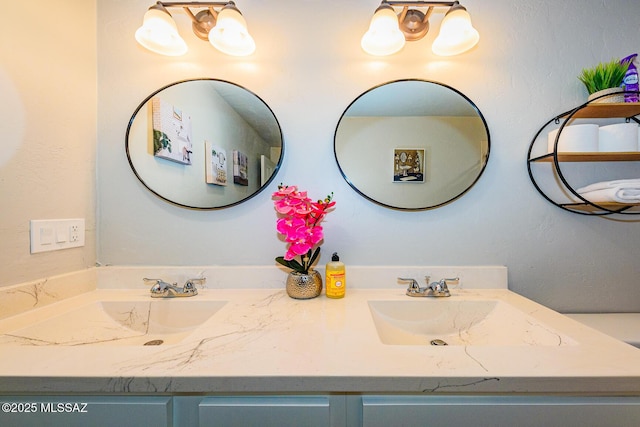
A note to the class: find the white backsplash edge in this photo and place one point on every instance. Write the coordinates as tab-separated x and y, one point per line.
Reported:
38	293
273	277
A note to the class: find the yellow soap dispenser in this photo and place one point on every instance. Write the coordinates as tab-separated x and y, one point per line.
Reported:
335	277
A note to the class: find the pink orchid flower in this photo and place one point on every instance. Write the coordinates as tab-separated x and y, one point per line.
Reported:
299	223
312	234
288	226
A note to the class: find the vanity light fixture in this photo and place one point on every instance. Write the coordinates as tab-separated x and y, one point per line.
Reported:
225	28
388	31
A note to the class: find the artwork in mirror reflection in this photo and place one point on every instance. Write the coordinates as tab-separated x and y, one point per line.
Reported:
204	144
422	133
408	165
172	136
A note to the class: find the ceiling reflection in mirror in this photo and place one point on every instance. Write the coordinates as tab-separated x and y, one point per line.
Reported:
204	144
412	144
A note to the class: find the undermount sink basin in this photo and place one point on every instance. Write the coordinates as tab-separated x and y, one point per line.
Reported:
451	321
151	322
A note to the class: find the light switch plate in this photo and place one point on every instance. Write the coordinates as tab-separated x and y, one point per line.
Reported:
56	234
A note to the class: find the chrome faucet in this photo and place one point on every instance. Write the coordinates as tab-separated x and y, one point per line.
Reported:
162	289
435	289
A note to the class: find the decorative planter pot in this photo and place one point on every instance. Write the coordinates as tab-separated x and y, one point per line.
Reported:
304	286
615	95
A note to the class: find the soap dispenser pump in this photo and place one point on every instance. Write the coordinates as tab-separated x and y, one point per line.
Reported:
335	277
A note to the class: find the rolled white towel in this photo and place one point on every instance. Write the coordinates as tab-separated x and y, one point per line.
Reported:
631	184
616	194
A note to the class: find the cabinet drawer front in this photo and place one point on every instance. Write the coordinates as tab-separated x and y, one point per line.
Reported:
267	411
492	411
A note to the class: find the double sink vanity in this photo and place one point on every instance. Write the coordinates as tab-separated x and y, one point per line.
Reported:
241	349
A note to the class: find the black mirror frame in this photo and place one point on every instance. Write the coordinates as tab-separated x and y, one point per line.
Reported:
410	209
144	102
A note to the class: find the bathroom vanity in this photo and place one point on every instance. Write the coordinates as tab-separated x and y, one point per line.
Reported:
242	352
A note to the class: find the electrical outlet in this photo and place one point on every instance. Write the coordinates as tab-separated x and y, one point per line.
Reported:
74	233
56	234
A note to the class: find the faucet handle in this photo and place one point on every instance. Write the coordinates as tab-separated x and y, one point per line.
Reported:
158	286
157	283
440	287
190	284
413	284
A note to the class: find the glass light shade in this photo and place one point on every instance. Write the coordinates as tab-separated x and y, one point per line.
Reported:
384	36
230	34
457	34
159	34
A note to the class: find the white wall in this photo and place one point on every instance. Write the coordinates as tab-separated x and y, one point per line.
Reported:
48	109
308	67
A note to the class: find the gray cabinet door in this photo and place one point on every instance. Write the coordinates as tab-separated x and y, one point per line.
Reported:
78	411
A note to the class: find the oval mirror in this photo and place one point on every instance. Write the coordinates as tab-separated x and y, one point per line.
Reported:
411	144
204	144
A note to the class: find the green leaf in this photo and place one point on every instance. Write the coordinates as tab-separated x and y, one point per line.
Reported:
283	261
293	264
315	255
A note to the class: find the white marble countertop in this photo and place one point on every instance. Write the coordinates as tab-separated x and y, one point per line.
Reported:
263	341
623	326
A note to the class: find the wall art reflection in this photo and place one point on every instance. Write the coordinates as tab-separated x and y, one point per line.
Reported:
408	165
216	164
172	135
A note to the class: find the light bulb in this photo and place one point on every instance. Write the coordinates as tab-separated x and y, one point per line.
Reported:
457	34
159	33
384	36
230	34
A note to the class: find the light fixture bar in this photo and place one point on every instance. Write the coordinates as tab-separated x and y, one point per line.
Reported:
225	28
413	23
192	3
203	21
422	3
456	35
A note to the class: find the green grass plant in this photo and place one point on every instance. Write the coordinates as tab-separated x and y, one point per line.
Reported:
605	75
